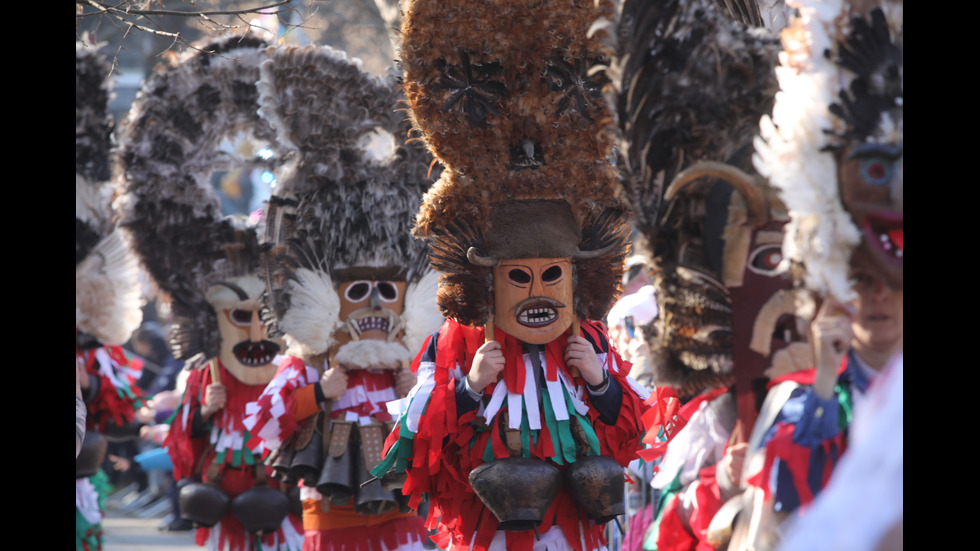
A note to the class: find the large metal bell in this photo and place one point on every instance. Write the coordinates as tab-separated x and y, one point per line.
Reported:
295	501
280	463
597	485
334	483
517	490
371	498
202	503
307	462
261	509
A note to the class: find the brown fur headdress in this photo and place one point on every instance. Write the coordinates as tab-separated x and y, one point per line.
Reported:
509	97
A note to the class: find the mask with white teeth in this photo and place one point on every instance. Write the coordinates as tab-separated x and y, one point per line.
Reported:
246	350
533	298
371	312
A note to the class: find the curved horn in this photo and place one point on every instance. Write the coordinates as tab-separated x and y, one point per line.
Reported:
746	184
476	258
589	255
237	289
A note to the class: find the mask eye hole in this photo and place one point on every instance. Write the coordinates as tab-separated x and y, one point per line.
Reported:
387	291
765	260
519	276
241	317
357	291
552	274
876	171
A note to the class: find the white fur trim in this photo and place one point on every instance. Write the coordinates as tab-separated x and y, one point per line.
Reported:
314	311
373	354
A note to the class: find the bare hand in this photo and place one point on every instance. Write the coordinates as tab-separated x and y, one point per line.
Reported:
734	460
215	398
145	415
488	363
333	382
119	463
404	381
580	355
830	338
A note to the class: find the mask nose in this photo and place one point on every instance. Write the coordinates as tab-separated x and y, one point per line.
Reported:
537	286
255	330
375	298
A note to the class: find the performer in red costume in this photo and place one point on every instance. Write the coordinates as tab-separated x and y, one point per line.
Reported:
524	416
107	300
349	289
207	265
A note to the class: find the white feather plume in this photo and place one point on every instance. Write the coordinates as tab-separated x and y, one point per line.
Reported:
790	152
108	294
314	311
420	315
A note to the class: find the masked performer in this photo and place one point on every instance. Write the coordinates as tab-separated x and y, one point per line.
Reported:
834	148
696	78
349	289
107	298
524	416
206	265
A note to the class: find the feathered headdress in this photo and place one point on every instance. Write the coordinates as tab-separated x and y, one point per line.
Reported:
346	198
841	81
172	142
107	286
693	83
509	97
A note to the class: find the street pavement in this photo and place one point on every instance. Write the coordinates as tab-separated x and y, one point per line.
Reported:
132	526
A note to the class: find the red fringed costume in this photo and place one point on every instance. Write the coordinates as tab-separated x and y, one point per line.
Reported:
437	450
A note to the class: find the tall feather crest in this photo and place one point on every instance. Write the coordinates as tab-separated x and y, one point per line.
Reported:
108	294
693	81
172	141
841	82
348	193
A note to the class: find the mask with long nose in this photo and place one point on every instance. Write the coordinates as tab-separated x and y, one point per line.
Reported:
246	350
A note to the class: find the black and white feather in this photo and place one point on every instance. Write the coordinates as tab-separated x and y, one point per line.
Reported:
173	140
693	81
346	198
107	287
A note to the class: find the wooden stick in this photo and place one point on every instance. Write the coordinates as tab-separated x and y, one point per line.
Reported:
489	330
215	375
